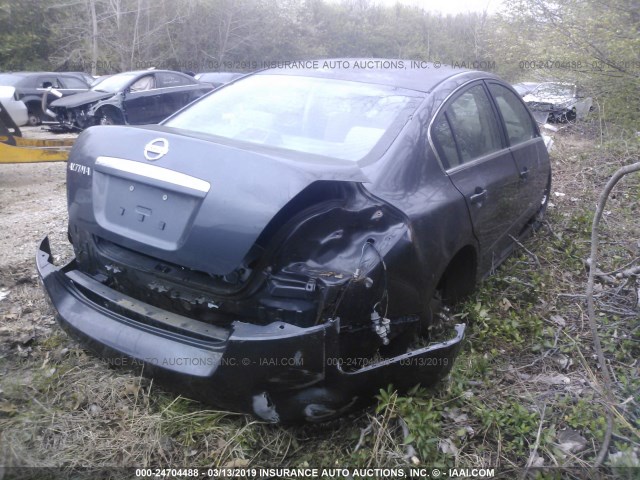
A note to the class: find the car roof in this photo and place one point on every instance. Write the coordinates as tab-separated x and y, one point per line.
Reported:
421	76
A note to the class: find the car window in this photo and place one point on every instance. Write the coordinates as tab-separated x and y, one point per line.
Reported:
46	82
113	83
72	82
168	79
519	124
145	83
445	144
474	125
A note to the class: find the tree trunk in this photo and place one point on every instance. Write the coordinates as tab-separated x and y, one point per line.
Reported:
94	36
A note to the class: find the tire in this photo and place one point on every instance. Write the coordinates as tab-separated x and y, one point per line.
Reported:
34	120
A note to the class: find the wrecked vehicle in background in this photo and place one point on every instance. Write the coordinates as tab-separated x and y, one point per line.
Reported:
132	98
559	102
281	246
30	87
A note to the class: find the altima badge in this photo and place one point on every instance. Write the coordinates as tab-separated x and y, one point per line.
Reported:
156	149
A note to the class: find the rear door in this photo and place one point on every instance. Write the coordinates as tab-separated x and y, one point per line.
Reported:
473	151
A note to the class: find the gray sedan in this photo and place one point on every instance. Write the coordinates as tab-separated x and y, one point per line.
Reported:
282	245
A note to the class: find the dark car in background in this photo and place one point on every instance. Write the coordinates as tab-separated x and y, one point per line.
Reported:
132	98
283	246
31	86
217	79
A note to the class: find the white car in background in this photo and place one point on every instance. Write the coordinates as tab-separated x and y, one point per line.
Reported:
16	109
560	102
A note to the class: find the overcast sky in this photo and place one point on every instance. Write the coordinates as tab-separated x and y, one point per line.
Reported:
448	6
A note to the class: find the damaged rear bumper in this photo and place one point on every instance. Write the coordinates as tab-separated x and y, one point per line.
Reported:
278	372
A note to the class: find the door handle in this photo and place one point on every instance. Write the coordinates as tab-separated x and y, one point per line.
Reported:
524	173
479	196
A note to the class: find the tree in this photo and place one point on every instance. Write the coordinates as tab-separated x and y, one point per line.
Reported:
593	43
23	35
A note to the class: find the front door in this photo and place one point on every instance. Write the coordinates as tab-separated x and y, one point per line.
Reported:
527	147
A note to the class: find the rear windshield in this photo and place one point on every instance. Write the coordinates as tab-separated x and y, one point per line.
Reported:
333	118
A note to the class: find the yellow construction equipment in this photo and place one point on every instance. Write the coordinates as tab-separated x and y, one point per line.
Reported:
16	149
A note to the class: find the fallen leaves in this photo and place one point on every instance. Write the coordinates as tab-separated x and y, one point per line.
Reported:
570	441
447	447
7	409
559	320
558	379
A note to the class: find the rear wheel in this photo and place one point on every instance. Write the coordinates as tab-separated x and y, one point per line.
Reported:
35	113
34	120
456	283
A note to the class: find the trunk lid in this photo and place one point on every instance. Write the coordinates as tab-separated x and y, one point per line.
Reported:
184	198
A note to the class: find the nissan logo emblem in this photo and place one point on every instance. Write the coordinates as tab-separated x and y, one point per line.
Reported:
156	149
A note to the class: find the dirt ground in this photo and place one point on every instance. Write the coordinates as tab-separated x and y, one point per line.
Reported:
522	392
32	205
43	133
